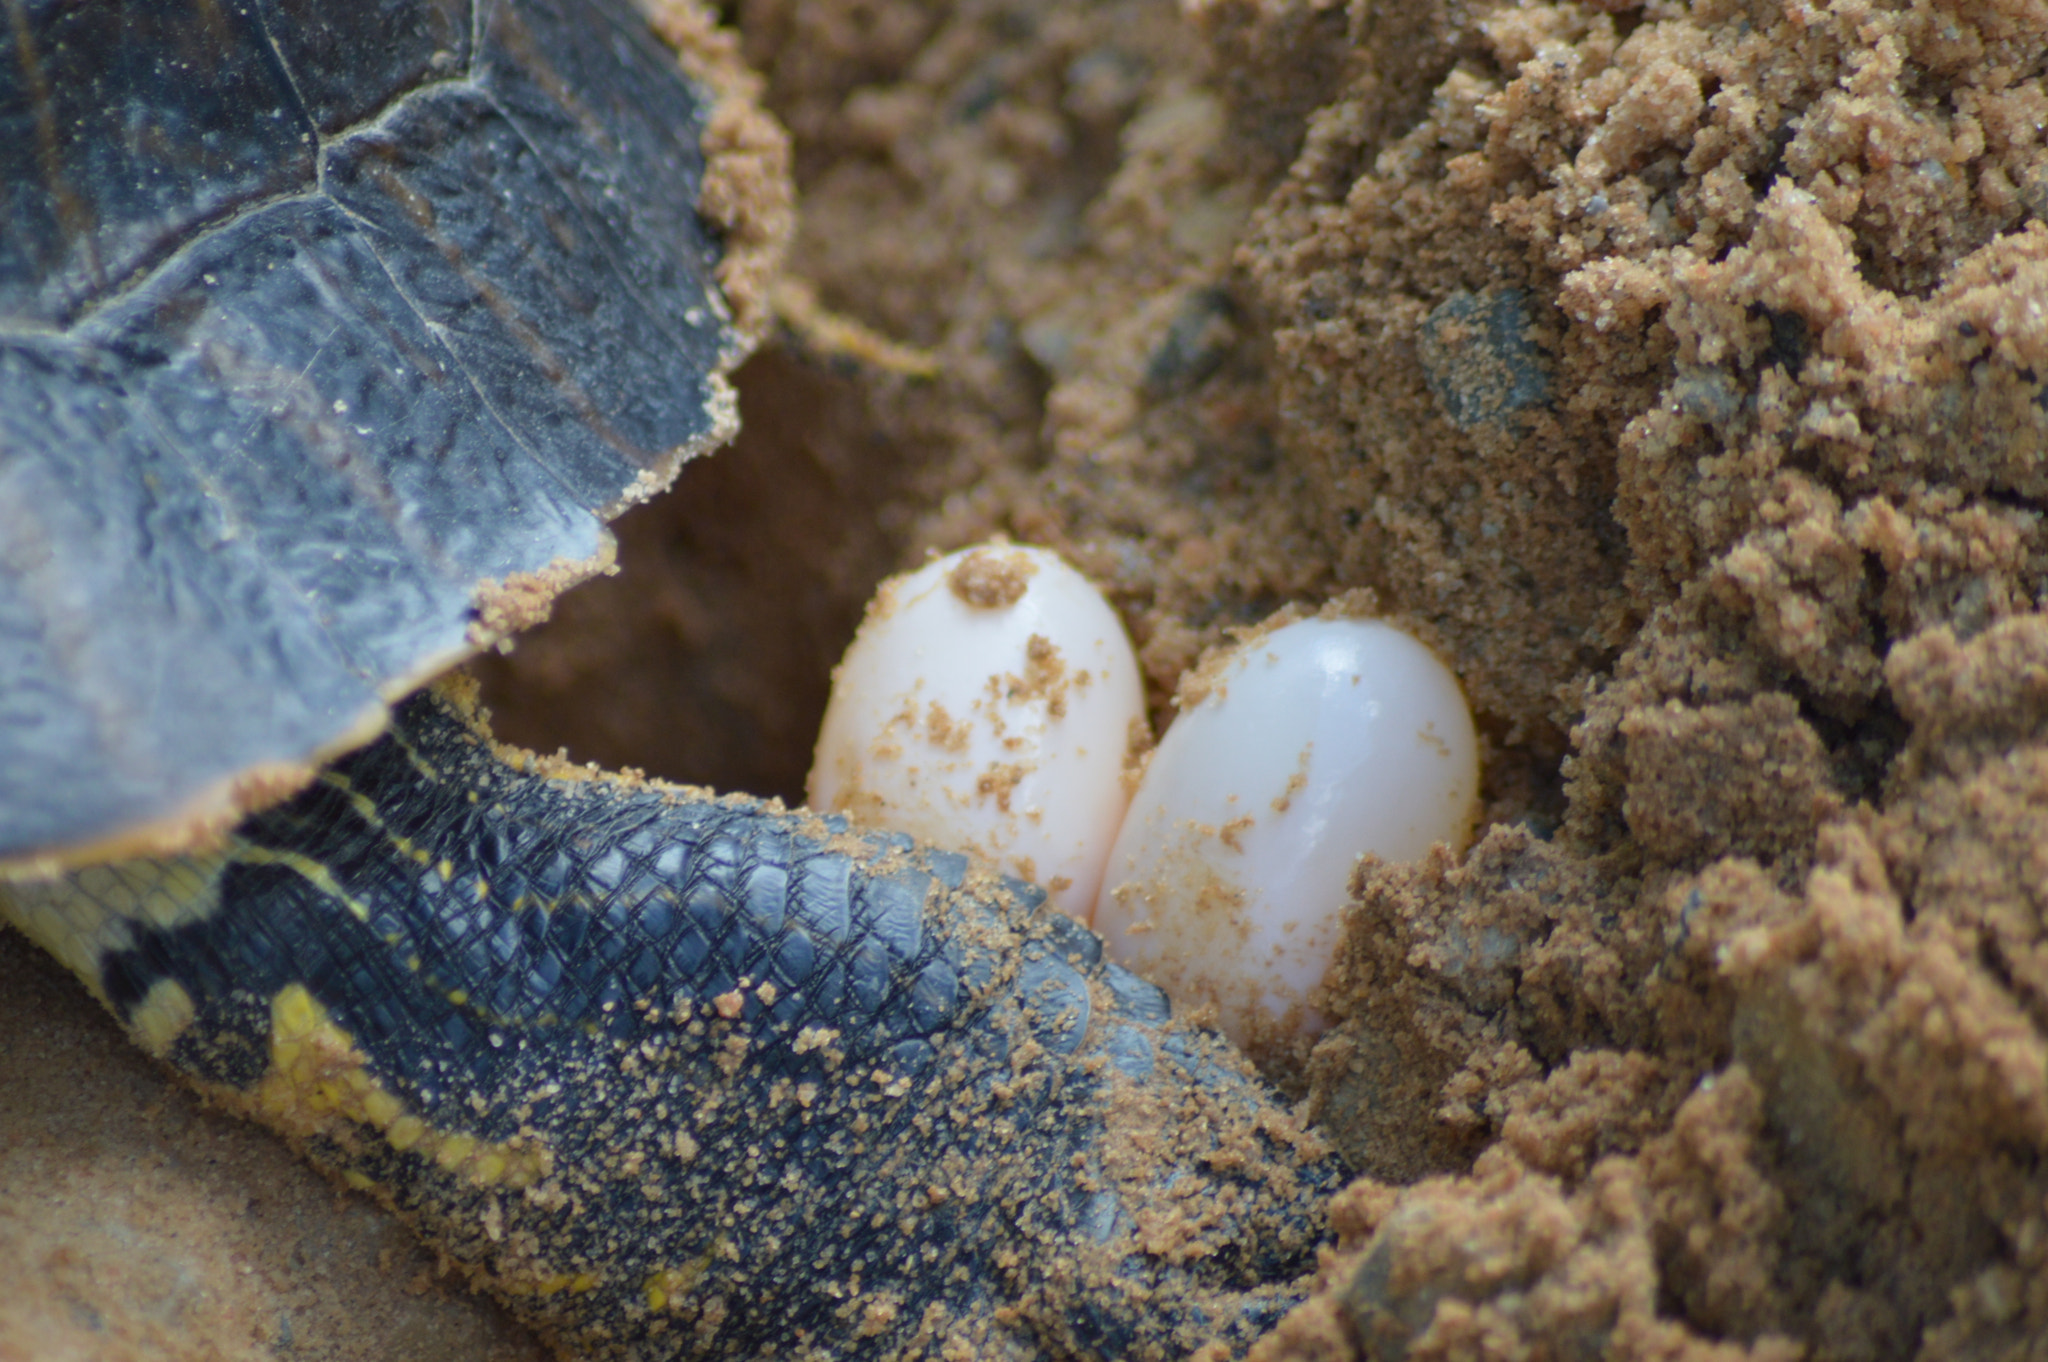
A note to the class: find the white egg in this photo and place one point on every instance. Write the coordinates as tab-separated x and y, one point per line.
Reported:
1291	756
989	703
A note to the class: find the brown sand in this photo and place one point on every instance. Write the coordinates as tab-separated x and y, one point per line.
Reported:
134	1224
1677	370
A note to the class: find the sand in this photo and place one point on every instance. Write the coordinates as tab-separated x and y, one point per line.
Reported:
135	1224
1676	371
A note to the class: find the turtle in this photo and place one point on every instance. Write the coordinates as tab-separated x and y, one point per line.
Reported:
331	336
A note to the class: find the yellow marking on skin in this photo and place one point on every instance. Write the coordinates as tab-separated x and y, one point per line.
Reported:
82	918
454	1151
419	763
674	1285
162	1016
317	1076
365	807
313	872
382	1108
553	1284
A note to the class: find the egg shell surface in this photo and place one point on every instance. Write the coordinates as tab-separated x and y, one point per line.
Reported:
988	703
1292	755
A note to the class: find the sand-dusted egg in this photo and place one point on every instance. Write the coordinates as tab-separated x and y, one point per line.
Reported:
988	703
1293	754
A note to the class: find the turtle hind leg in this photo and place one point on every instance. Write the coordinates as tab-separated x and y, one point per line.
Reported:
675	1075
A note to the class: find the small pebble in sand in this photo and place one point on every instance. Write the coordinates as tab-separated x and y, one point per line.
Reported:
1293	754
988	703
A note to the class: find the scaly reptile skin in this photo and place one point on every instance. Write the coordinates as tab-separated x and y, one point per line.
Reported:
676	1076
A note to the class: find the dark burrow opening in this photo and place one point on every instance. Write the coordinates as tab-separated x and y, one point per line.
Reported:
707	657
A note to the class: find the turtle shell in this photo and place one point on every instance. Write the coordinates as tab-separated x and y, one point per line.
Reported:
330	334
